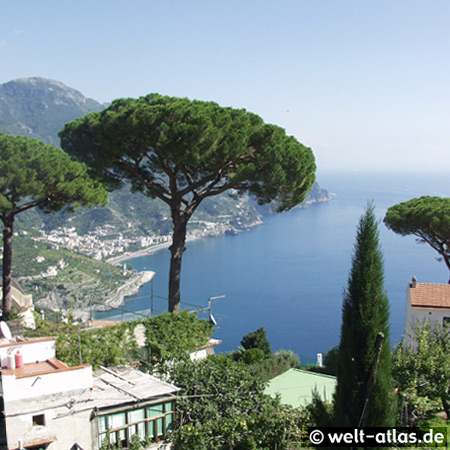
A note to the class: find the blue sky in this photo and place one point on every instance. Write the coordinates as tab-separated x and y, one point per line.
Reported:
365	84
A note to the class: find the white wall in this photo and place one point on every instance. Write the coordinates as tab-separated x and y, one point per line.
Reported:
32	351
68	429
417	316
46	384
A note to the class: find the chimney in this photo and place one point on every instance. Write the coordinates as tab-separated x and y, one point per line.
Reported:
413	283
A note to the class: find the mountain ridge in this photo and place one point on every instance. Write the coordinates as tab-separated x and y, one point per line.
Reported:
38	107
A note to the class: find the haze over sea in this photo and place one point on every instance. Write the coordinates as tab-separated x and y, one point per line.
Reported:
289	274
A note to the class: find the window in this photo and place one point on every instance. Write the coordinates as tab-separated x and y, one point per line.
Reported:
154	421
39	420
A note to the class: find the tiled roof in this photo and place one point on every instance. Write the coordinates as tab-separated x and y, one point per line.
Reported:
429	295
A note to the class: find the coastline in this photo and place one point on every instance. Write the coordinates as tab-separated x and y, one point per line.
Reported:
127	289
145	251
132	287
191	237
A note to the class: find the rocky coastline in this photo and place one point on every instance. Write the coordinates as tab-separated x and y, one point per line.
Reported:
132	287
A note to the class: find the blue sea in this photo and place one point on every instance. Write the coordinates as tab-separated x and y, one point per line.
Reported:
289	274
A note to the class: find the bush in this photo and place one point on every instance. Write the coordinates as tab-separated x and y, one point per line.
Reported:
257	339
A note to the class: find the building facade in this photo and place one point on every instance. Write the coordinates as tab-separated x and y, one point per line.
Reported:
47	404
426	302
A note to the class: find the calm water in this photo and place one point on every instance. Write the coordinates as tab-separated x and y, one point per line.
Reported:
288	275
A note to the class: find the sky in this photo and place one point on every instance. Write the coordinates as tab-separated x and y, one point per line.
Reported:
365	84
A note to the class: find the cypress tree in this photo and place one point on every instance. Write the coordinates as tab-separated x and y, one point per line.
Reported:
364	374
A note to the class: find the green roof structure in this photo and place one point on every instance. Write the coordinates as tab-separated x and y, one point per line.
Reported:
296	386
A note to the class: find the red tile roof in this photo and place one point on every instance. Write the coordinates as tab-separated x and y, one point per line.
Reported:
429	295
52	365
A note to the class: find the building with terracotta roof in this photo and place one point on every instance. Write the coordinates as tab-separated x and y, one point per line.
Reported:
426	302
50	405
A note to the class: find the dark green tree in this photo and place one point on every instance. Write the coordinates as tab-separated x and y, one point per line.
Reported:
427	218
330	360
182	152
35	175
257	339
364	369
222	406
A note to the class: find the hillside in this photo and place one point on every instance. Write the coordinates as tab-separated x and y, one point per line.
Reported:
39	108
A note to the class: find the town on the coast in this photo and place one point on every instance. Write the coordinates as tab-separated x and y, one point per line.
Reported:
173	170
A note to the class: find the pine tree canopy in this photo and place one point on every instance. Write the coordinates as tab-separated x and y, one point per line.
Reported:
182	151
35	175
427	218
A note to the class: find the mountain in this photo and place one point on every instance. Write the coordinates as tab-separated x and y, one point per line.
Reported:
39	108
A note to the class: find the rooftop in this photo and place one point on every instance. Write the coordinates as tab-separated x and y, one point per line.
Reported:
429	295
52	365
296	386
123	384
112	387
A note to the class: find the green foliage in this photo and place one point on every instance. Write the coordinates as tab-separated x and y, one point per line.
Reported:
257	339
83	280
135	443
35	175
275	365
199	141
256	353
100	347
222	406
321	413
365	314
330	360
170	336
252	356
421	370
427	218
221	387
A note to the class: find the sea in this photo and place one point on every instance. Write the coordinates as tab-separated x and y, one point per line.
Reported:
288	275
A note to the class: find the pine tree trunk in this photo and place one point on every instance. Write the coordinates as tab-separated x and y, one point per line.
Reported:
8	222
176	250
446	406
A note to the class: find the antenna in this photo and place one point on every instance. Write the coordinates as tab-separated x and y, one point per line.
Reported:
6	332
211	317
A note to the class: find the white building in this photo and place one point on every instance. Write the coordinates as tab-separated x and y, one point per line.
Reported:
50	405
426	302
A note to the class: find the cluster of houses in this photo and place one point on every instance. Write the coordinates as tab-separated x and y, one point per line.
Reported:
97	244
46	404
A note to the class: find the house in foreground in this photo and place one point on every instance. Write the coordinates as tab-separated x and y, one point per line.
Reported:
295	387
426	302
47	404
